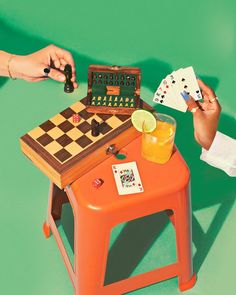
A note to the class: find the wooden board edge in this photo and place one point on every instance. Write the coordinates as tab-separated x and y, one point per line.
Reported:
88	163
39	162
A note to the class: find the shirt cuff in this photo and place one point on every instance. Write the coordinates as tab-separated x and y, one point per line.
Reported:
222	154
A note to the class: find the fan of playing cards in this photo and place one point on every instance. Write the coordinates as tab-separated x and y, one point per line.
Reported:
169	91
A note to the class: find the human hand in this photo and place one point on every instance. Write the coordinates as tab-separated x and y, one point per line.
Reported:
31	67
205	115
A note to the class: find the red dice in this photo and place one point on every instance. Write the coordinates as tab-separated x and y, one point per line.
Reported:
97	182
76	118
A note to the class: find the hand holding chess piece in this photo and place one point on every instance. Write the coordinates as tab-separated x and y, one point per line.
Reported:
48	62
206	115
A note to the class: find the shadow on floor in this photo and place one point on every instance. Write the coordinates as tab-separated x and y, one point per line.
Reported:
209	185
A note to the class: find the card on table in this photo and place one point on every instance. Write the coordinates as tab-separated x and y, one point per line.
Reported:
169	91
127	178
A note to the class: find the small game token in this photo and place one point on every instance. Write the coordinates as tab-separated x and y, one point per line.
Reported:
97	182
76	118
95	128
120	156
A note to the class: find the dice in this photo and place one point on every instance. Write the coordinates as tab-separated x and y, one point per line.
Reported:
97	182
76	118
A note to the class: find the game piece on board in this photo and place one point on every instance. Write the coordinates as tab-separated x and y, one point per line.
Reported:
95	127
76	118
68	88
97	182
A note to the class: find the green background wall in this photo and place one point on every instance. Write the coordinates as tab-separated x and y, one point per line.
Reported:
158	36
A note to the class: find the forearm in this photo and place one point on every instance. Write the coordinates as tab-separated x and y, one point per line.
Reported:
5	58
222	154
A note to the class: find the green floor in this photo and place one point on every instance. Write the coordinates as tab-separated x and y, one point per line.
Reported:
157	36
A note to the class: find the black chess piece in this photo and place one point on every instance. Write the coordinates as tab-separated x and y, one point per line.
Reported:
68	88
95	128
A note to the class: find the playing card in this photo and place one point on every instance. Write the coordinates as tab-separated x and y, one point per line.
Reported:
166	95
185	80
127	178
181	104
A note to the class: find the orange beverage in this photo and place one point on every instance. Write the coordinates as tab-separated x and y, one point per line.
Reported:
157	146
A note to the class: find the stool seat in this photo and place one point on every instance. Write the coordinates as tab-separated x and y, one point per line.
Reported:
158	180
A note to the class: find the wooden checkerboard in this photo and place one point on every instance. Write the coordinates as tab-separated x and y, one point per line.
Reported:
64	150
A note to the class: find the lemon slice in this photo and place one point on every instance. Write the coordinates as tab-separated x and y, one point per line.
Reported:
141	117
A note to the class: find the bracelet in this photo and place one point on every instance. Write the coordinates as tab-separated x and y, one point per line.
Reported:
8	66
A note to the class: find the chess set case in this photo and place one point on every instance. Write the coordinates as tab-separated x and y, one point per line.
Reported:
64	150
113	89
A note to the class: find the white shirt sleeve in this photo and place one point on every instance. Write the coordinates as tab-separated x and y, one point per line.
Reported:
222	154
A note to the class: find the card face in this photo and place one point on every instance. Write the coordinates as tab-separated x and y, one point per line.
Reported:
166	96
127	178
185	80
182	106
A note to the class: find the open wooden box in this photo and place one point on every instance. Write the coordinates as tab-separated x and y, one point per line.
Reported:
113	89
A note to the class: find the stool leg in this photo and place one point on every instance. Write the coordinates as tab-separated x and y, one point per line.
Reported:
91	251
183	227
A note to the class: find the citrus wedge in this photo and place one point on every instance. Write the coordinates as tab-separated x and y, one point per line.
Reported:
144	118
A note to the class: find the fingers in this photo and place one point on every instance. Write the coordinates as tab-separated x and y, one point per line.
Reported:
56	75
207	92
191	103
60	58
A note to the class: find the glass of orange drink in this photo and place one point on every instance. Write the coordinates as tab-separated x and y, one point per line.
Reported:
157	146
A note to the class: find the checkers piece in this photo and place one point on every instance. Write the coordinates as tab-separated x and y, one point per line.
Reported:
76	118
97	182
95	127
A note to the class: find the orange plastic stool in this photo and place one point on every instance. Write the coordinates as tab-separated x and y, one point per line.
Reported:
97	211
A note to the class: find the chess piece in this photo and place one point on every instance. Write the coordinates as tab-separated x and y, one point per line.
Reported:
68	88
95	128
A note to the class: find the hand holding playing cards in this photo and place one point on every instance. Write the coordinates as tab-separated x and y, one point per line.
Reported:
205	115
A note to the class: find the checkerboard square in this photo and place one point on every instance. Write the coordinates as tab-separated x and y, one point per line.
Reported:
44	139
55	132
74	133
64	140
46	126
113	121
73	148
77	107
36	132
123	117
84	127
66	126
53	147
85	115
104	128
83	141
58	119
62	155
67	113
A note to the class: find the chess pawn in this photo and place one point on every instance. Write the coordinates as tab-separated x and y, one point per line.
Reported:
68	88
95	126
